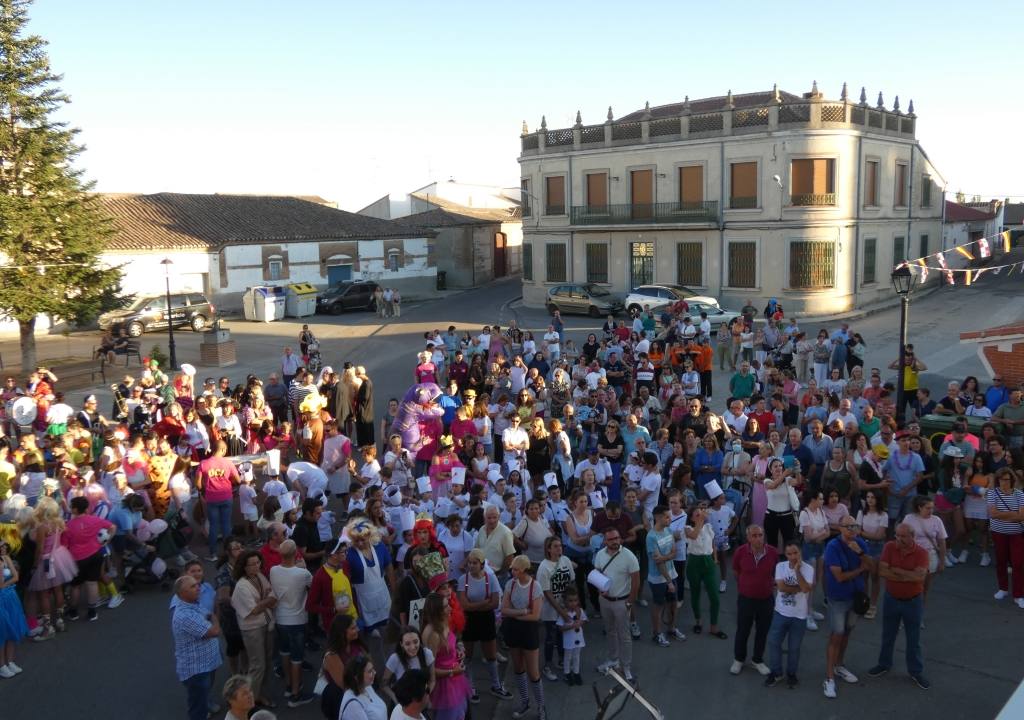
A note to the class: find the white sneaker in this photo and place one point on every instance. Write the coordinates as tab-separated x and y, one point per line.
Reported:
550	674
1001	595
116	601
6	672
830	688
845	674
627	675
1020	603
986	560
634	630
950	559
722	586
817	615
811	625
962	558
641	602
14	668
736	667
607	665
762	668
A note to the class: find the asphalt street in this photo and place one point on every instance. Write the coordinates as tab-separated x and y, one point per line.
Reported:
972	645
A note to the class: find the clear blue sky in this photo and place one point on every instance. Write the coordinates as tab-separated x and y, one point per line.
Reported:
350	100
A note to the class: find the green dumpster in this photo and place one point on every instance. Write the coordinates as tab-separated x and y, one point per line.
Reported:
937	427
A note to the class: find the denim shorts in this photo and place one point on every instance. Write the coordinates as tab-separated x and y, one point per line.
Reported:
811	551
660	594
841	617
875	548
291	641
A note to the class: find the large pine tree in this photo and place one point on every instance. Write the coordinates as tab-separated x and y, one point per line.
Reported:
52	229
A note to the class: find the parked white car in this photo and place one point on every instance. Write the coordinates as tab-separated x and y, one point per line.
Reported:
658	296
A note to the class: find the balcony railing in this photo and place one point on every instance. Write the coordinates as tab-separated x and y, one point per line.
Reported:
670	212
740	202
554	210
813	200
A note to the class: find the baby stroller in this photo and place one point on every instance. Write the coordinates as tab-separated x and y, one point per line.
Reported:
143	566
314	362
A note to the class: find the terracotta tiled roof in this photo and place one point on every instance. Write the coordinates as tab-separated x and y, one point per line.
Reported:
172	220
955	212
1000	331
468	215
712	104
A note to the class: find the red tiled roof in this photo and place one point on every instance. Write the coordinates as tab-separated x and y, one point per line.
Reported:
955	212
172	220
712	104
993	332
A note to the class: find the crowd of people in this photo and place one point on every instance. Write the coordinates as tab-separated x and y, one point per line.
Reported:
522	490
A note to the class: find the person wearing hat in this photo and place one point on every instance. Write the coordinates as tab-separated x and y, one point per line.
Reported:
330	592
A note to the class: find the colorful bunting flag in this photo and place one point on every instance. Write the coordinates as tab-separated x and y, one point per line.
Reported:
962	249
924	270
945	267
1006	240
983	248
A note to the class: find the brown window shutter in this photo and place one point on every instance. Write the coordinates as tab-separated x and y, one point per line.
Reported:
555	200
691	184
801	175
597	190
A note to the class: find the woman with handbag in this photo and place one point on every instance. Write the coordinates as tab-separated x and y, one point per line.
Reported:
814	527
531	533
343	645
254	601
361	701
929	534
225	585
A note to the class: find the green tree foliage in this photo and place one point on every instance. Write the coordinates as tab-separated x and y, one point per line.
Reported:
52	229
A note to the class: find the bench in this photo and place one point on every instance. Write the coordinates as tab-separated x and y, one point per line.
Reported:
72	376
132	350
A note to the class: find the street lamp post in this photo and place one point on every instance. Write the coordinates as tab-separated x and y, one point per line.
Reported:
167	262
902	283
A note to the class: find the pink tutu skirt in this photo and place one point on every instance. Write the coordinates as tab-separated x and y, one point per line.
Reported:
63	570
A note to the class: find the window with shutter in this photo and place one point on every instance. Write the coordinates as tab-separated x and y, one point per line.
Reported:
812	182
689	263
554	195
597	192
555	262
812	264
597	262
743	264
899	250
743	185
900	196
528	262
870	259
691	187
871	183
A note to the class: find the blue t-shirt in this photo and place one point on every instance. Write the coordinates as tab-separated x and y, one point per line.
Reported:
125	520
902	470
663	542
803	456
837	554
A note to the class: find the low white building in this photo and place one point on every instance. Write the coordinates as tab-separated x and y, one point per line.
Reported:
967	223
222	244
756	195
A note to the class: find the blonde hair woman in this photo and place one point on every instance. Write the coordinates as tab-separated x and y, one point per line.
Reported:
520	611
54	567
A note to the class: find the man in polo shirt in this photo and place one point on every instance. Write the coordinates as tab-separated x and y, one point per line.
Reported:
997	394
820	446
1011	415
904	565
495	539
622	569
846	563
753	564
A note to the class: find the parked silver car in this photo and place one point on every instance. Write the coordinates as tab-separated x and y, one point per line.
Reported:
587	299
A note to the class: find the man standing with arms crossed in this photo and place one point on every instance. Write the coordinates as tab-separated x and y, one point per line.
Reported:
846	564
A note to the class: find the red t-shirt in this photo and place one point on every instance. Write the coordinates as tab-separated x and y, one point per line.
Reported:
893	556
755	578
217	476
763	420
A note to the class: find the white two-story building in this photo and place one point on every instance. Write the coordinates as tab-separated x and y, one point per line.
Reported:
758	195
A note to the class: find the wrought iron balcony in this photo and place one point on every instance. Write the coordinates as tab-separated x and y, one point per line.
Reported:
813	200
670	212
739	202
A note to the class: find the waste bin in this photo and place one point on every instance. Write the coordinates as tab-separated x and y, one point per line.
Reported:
937	427
301	300
442	280
263	303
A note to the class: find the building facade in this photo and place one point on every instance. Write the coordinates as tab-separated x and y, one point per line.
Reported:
759	195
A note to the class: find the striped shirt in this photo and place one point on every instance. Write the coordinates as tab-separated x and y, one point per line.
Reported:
1006	503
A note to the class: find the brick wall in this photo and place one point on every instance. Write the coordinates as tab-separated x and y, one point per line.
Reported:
1009	363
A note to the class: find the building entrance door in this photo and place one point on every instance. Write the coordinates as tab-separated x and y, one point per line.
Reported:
641	264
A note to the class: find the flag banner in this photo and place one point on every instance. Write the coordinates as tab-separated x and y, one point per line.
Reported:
962	249
924	270
967	277
1006	240
983	248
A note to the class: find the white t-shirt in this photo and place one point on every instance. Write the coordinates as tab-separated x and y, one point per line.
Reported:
814	522
247	500
399	714
720	519
872	522
59	414
555	578
485	340
552	339
394	664
291	585
795	605
274	488
677	524
652	483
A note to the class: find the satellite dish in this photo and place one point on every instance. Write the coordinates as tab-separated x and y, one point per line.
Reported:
24	411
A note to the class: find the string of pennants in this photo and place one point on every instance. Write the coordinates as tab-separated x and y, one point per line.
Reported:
982	249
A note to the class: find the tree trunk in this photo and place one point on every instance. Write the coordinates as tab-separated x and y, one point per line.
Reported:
27	328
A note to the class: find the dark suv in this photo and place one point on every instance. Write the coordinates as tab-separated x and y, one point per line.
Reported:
355	295
149	312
